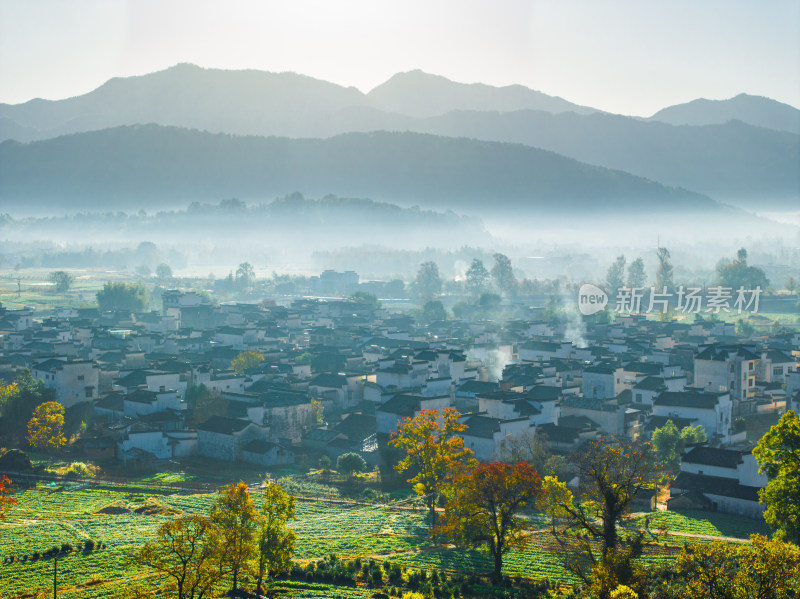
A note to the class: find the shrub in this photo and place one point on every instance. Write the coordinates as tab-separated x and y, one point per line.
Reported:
80	470
89	545
66	548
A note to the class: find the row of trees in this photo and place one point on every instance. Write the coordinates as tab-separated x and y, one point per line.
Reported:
484	504
198	554
428	282
730	273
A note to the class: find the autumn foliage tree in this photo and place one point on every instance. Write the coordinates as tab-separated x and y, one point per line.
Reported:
184	552
246	360
45	428
236	524
483	507
762	569
434	452
611	472
5	501
275	539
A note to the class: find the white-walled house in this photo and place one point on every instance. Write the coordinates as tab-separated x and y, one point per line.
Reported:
223	438
402	406
712	410
726	369
488	437
74	381
723	480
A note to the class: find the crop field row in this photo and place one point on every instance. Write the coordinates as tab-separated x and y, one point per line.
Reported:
44	518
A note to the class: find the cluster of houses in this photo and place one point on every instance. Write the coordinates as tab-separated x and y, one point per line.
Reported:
339	375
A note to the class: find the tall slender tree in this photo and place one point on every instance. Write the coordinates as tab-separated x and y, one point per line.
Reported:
236	525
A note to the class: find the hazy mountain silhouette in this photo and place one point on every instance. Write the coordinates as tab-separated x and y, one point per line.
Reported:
420	94
754	110
255	103
185	95
731	161
153	166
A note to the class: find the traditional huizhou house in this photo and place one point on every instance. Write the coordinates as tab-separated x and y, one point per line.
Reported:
720	480
403	405
489	437
223	438
74	381
728	368
266	453
711	410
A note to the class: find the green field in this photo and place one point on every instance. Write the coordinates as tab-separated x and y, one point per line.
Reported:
46	516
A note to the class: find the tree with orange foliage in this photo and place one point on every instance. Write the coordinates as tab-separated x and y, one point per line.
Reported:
484	504
434	452
5	500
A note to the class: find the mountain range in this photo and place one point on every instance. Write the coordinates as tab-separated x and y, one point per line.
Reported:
154	166
732	150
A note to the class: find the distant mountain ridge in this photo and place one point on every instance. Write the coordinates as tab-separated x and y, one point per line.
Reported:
754	110
419	94
153	166
250	102
732	150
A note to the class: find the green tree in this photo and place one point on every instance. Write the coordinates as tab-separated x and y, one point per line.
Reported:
245	276
317	412
236	525
664	272
434	452
61	281
350	463
636	274
163	272
433	310
778	456
365	297
184	552
46	427
275	539
484	504
737	273
246	360
204	403
669	443
489	301
615	277
477	277
128	297
428	283
503	275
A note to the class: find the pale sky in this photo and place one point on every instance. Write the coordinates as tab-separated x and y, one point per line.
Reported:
625	56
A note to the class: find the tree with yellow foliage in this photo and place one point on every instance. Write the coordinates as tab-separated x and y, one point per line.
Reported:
46	428
236	523
246	360
434	452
